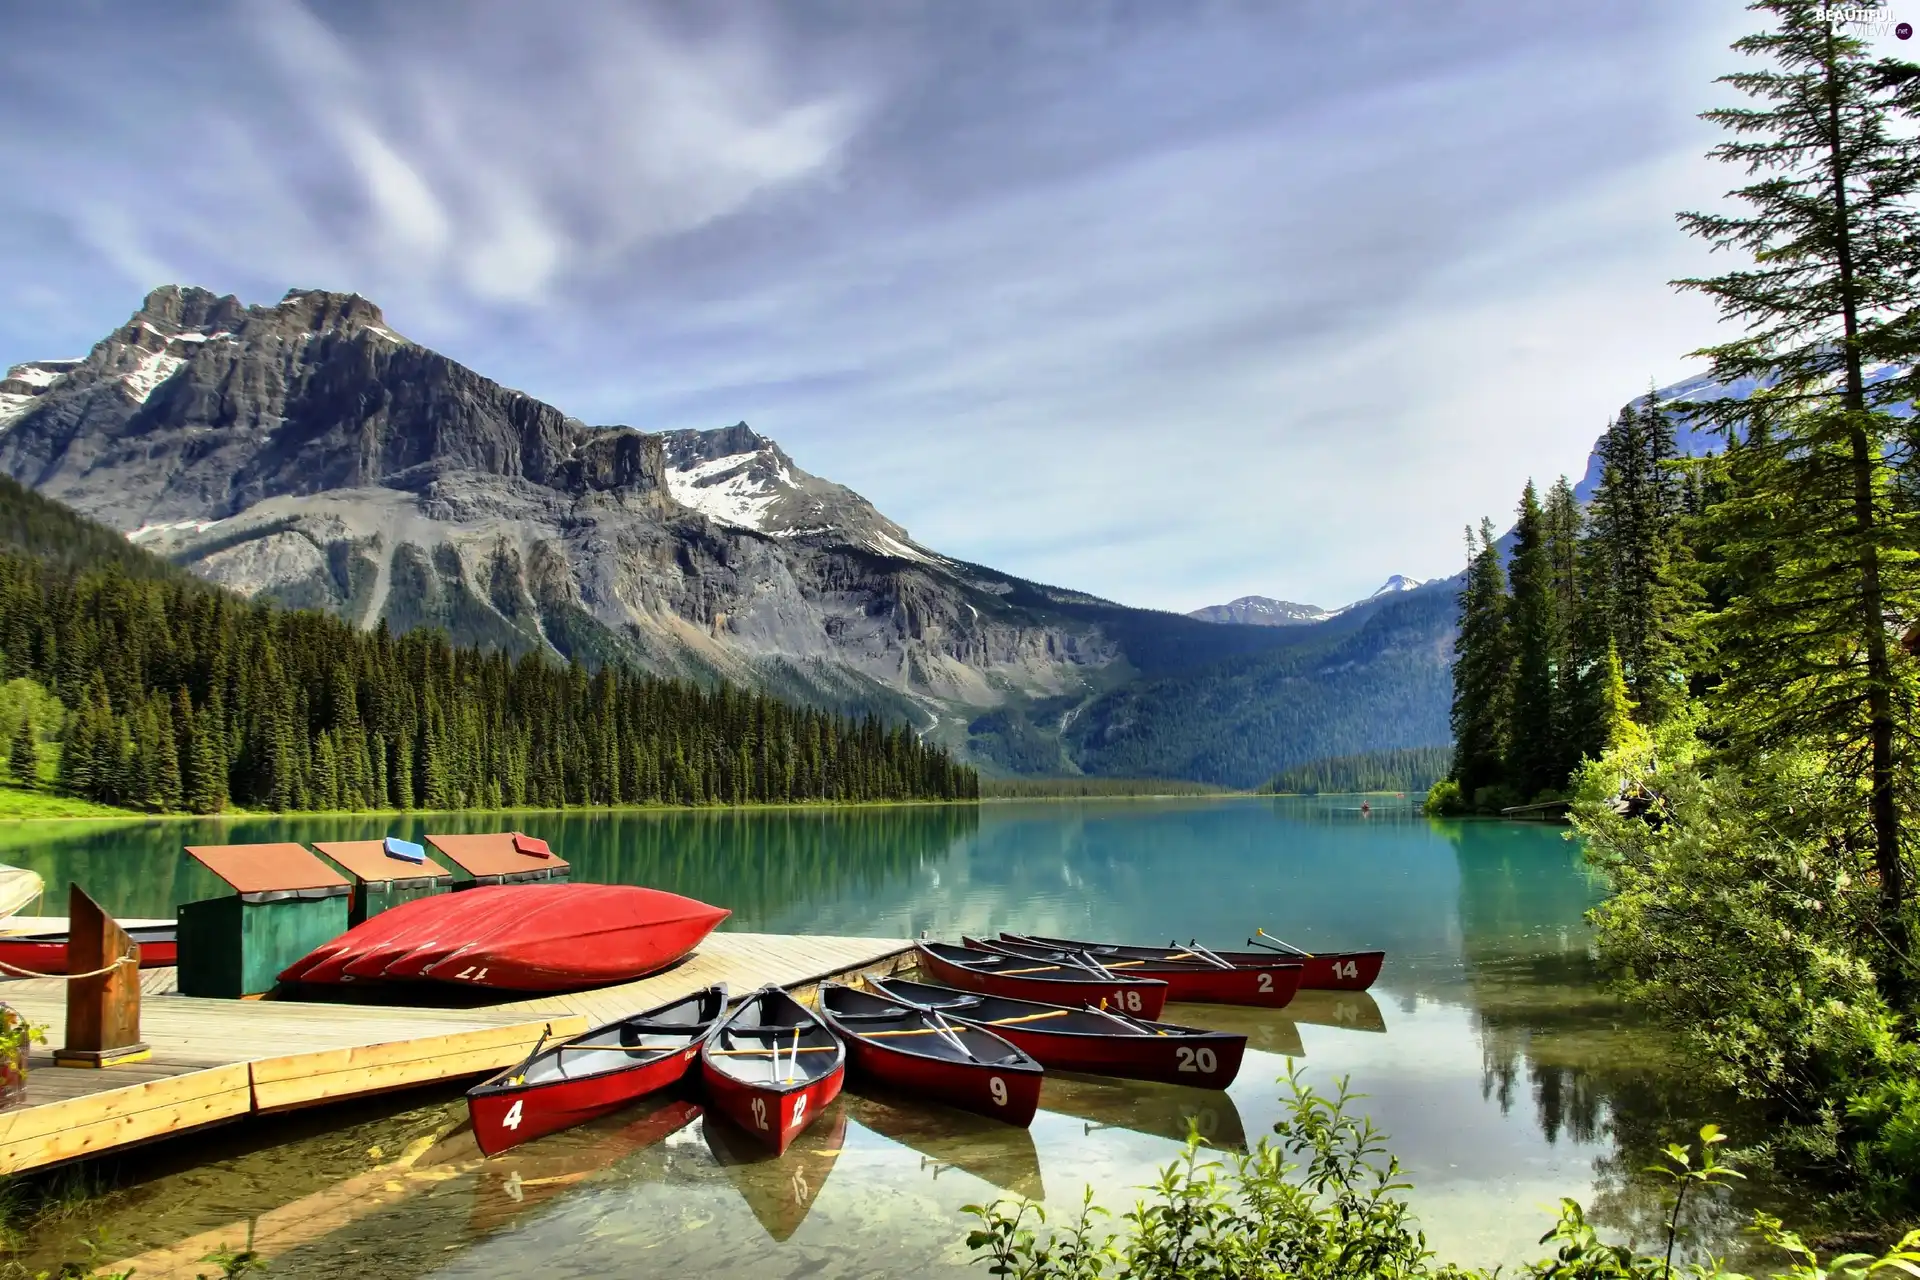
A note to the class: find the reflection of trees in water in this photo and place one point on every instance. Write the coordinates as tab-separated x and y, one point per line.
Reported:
754	861
1555	1040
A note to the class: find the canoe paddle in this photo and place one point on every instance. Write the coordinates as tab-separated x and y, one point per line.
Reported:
1274	944
1206	955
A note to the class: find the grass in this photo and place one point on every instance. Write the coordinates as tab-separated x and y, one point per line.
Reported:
17	801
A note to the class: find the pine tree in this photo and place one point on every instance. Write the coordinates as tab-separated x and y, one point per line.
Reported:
1617	729
1831	225
23	754
1482	663
1533	750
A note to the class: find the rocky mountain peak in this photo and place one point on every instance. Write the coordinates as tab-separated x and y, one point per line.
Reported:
1262	611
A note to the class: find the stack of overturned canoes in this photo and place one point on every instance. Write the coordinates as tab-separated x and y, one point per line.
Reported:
516	937
1006	1012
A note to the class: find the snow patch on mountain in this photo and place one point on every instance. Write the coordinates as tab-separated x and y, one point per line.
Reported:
1395	582
1262	611
153	370
730	489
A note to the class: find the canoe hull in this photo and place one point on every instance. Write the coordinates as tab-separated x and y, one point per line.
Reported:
1268	986
963	1065
771	1115
47	953
1324	971
1141	999
506	1119
1183	1055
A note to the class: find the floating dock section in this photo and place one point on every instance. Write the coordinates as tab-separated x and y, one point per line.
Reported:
217	1060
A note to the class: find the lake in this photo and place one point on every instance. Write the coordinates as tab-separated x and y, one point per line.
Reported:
1504	1075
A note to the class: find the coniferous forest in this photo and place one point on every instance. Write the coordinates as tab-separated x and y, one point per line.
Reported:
179	696
1579	630
1717	660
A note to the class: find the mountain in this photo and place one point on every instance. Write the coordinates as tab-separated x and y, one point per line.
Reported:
308	453
1262	611
1265	611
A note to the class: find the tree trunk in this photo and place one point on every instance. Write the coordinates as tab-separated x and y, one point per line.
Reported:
1882	809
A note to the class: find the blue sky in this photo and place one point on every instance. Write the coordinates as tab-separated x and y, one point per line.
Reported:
1172	302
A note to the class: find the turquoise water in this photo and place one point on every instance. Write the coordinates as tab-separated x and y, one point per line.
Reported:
1506	1078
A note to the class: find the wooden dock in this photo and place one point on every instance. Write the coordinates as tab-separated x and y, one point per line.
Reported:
220	1060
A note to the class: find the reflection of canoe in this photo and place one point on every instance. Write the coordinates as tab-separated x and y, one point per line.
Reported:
1266	1030
593	1074
997	1154
1347	1010
18	887
996	974
1144	1106
1188	977
511	1184
779	1189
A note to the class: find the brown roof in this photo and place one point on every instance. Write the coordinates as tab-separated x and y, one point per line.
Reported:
261	868
492	855
369	860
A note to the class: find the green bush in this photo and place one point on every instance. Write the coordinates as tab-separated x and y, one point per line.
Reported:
1444	799
1325	1203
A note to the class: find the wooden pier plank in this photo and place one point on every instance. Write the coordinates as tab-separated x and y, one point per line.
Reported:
217	1060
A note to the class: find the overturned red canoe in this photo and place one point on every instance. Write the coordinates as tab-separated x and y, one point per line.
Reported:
519	937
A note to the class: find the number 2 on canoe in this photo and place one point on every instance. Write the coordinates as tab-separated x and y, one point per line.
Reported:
1266	982
511	1120
1201	1060
760	1112
998	1088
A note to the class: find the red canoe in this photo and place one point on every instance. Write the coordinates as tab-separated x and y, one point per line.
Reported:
46	953
519	937
918	1051
772	1066
1088	1040
1268	986
592	1074
1319	971
1002	975
390	935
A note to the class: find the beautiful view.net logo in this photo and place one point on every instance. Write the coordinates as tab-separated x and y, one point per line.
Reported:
1867	21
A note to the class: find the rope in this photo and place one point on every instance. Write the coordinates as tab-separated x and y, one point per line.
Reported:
18	972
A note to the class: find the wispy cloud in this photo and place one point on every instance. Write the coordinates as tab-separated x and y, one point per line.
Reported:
1169	302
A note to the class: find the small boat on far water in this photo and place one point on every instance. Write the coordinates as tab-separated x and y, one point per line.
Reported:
592	1074
917	1051
771	1067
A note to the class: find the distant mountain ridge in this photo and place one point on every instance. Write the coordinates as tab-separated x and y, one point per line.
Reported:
308	453
1265	611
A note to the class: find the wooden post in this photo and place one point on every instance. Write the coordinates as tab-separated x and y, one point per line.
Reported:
103	1008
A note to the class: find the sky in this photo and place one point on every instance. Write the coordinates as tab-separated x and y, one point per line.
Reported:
1168	300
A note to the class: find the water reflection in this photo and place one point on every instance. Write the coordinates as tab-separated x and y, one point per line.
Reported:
1505	1075
946	1140
779	1189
